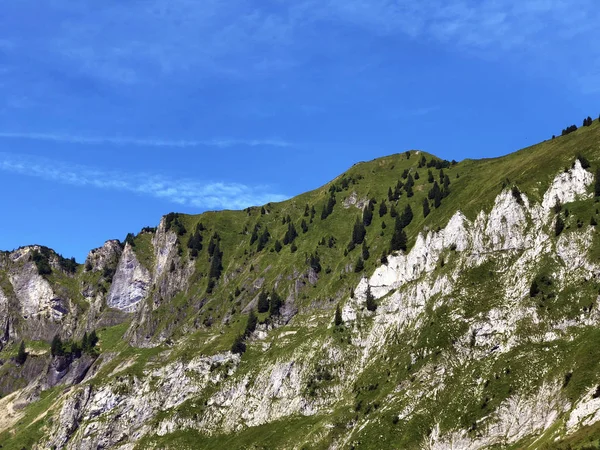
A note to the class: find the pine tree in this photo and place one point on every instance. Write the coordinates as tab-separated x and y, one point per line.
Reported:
263	302
384	259
254	236
398	190
559	226
405	174
290	234
328	207
306	210
426	209
371	303
390	195
263	239
85	342
278	246
276	303
417	175
422	161
437	199
56	348
399	237
315	262
304	226
238	345
430	176
360	265
597	183
365	251
393	212
593	221
534	289
250	324
93	339
407	216
216	265
337	320
21	355
382	209
367	216
359	232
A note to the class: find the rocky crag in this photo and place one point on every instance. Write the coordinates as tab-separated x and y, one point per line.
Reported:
480	332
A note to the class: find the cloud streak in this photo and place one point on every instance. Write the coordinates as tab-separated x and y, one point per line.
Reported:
184	192
99	140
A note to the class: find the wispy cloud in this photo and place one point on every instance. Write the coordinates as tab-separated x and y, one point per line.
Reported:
185	192
238	37
98	140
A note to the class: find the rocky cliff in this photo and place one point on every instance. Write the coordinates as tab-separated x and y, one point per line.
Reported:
481	333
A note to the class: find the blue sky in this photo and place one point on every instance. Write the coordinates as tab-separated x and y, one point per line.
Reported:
114	113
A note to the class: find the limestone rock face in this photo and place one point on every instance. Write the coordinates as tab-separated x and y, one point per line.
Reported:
106	256
34	293
131	283
303	369
568	186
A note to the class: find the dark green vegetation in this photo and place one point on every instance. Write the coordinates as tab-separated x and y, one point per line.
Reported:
292	266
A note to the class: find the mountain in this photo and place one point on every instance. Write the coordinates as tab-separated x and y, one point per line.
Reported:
409	303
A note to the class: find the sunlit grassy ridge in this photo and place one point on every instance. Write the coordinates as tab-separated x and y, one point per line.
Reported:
197	322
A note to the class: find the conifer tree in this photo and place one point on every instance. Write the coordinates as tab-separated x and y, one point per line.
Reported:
430	176
93	339
365	251
290	234
85	342
250	324
390	195
216	265
315	262
276	303
56	348
263	239
367	216
304	226
360	265
398	190
559	226
597	183
371	303
337	320
359	232
407	216
328	207
426	209
21	355
254	236
399	237
393	212
238	345
382	209
263	302
278	246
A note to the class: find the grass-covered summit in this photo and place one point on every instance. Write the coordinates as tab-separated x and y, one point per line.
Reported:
409	303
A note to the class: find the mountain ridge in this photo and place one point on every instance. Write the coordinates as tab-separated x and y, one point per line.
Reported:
455	300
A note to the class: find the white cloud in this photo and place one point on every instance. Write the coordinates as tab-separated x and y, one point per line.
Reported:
77	139
186	192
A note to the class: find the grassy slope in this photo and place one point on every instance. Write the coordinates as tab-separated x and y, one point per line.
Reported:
477	184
